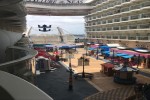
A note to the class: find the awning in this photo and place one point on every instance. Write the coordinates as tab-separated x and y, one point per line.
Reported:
41	57
143	51
91	48
104	47
43	54
125	69
130	52
113	45
50	46
127	56
94	46
106	52
123	48
121	54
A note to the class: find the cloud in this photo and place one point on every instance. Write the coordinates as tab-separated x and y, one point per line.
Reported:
72	24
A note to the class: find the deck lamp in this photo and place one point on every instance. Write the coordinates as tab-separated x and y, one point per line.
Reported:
70	73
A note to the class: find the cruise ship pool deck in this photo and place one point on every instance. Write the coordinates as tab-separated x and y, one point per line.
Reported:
100	80
56	83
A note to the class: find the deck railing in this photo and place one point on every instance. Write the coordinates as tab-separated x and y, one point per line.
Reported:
121	37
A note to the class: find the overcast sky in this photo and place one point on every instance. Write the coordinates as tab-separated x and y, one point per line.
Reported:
71	24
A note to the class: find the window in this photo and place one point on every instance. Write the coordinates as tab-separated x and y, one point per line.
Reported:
124	18
133	27
99	22
146	4
124	9
117	20
123	27
104	22
134	17
145	26
109	28
94	23
103	29
125	1
135	7
115	37
108	37
109	21
116	28
146	15
122	37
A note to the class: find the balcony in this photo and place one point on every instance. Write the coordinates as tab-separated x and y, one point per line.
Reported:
18	62
146	15
16	88
145	4
124	37
135	7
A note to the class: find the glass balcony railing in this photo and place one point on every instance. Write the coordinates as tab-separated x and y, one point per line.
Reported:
143	38
108	37
125	37
146	15
15	88
115	37
145	4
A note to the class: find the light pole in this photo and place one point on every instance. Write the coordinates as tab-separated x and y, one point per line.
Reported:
70	73
86	50
83	74
85	44
97	49
97	52
113	57
138	61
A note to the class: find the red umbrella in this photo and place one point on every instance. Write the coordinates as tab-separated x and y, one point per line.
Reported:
44	54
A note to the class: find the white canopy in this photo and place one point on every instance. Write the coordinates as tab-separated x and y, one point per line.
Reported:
113	45
41	57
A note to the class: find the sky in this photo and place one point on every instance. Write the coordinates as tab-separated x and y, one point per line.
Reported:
70	24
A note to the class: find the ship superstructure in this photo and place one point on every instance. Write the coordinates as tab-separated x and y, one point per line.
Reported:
126	22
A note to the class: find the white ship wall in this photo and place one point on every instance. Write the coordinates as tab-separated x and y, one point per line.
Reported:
7	38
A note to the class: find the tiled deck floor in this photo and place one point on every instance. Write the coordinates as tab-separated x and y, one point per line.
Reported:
100	80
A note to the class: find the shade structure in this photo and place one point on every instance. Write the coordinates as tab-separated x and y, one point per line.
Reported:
106	52
127	56
44	54
121	54
131	52
91	48
125	69
94	46
41	57
57	53
124	74
64	47
40	49
113	45
49	45
139	49
104	47
68	46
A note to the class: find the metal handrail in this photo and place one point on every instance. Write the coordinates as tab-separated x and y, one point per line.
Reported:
30	54
56	4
